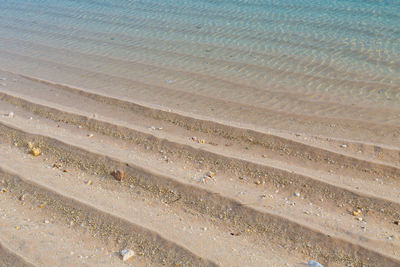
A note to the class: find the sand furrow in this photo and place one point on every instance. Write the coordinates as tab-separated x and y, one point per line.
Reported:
11	258
228	110
104	223
211	203
278	144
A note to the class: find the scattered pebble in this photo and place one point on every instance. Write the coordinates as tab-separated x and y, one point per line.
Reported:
237	234
344	145
297	194
210	174
244	178
396	222
90	135
118	175
46	221
355	213
126	254
156	128
35	151
314	264
11	115
22	198
89	182
3	190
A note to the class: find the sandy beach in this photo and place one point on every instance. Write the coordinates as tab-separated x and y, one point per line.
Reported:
197	190
192	142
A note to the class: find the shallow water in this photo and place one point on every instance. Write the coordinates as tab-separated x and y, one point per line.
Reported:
337	51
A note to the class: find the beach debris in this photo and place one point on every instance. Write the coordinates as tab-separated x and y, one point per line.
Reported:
90	135
194	138
46	221
210	174
213	144
297	194
244	178
228	144
156	128
202	141
264	156
21	197
258	182
3	190
356	212
397	222
57	165
89	182
126	254
35	151
11	115
343	145
314	264
118	175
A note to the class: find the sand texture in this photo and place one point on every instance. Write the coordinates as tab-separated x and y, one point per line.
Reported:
234	133
192	188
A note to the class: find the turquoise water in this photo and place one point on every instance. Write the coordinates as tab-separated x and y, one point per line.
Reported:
347	49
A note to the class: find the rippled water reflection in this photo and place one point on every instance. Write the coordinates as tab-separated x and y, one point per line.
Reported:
344	49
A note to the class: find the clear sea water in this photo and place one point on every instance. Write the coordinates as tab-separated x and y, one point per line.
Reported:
340	48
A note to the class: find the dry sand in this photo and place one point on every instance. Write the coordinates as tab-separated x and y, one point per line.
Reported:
200	187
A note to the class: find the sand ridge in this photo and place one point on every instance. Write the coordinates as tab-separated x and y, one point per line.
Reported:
270	192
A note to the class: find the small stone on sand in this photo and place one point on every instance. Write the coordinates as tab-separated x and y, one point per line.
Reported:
210	174
126	254
35	151
118	175
11	115
314	264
